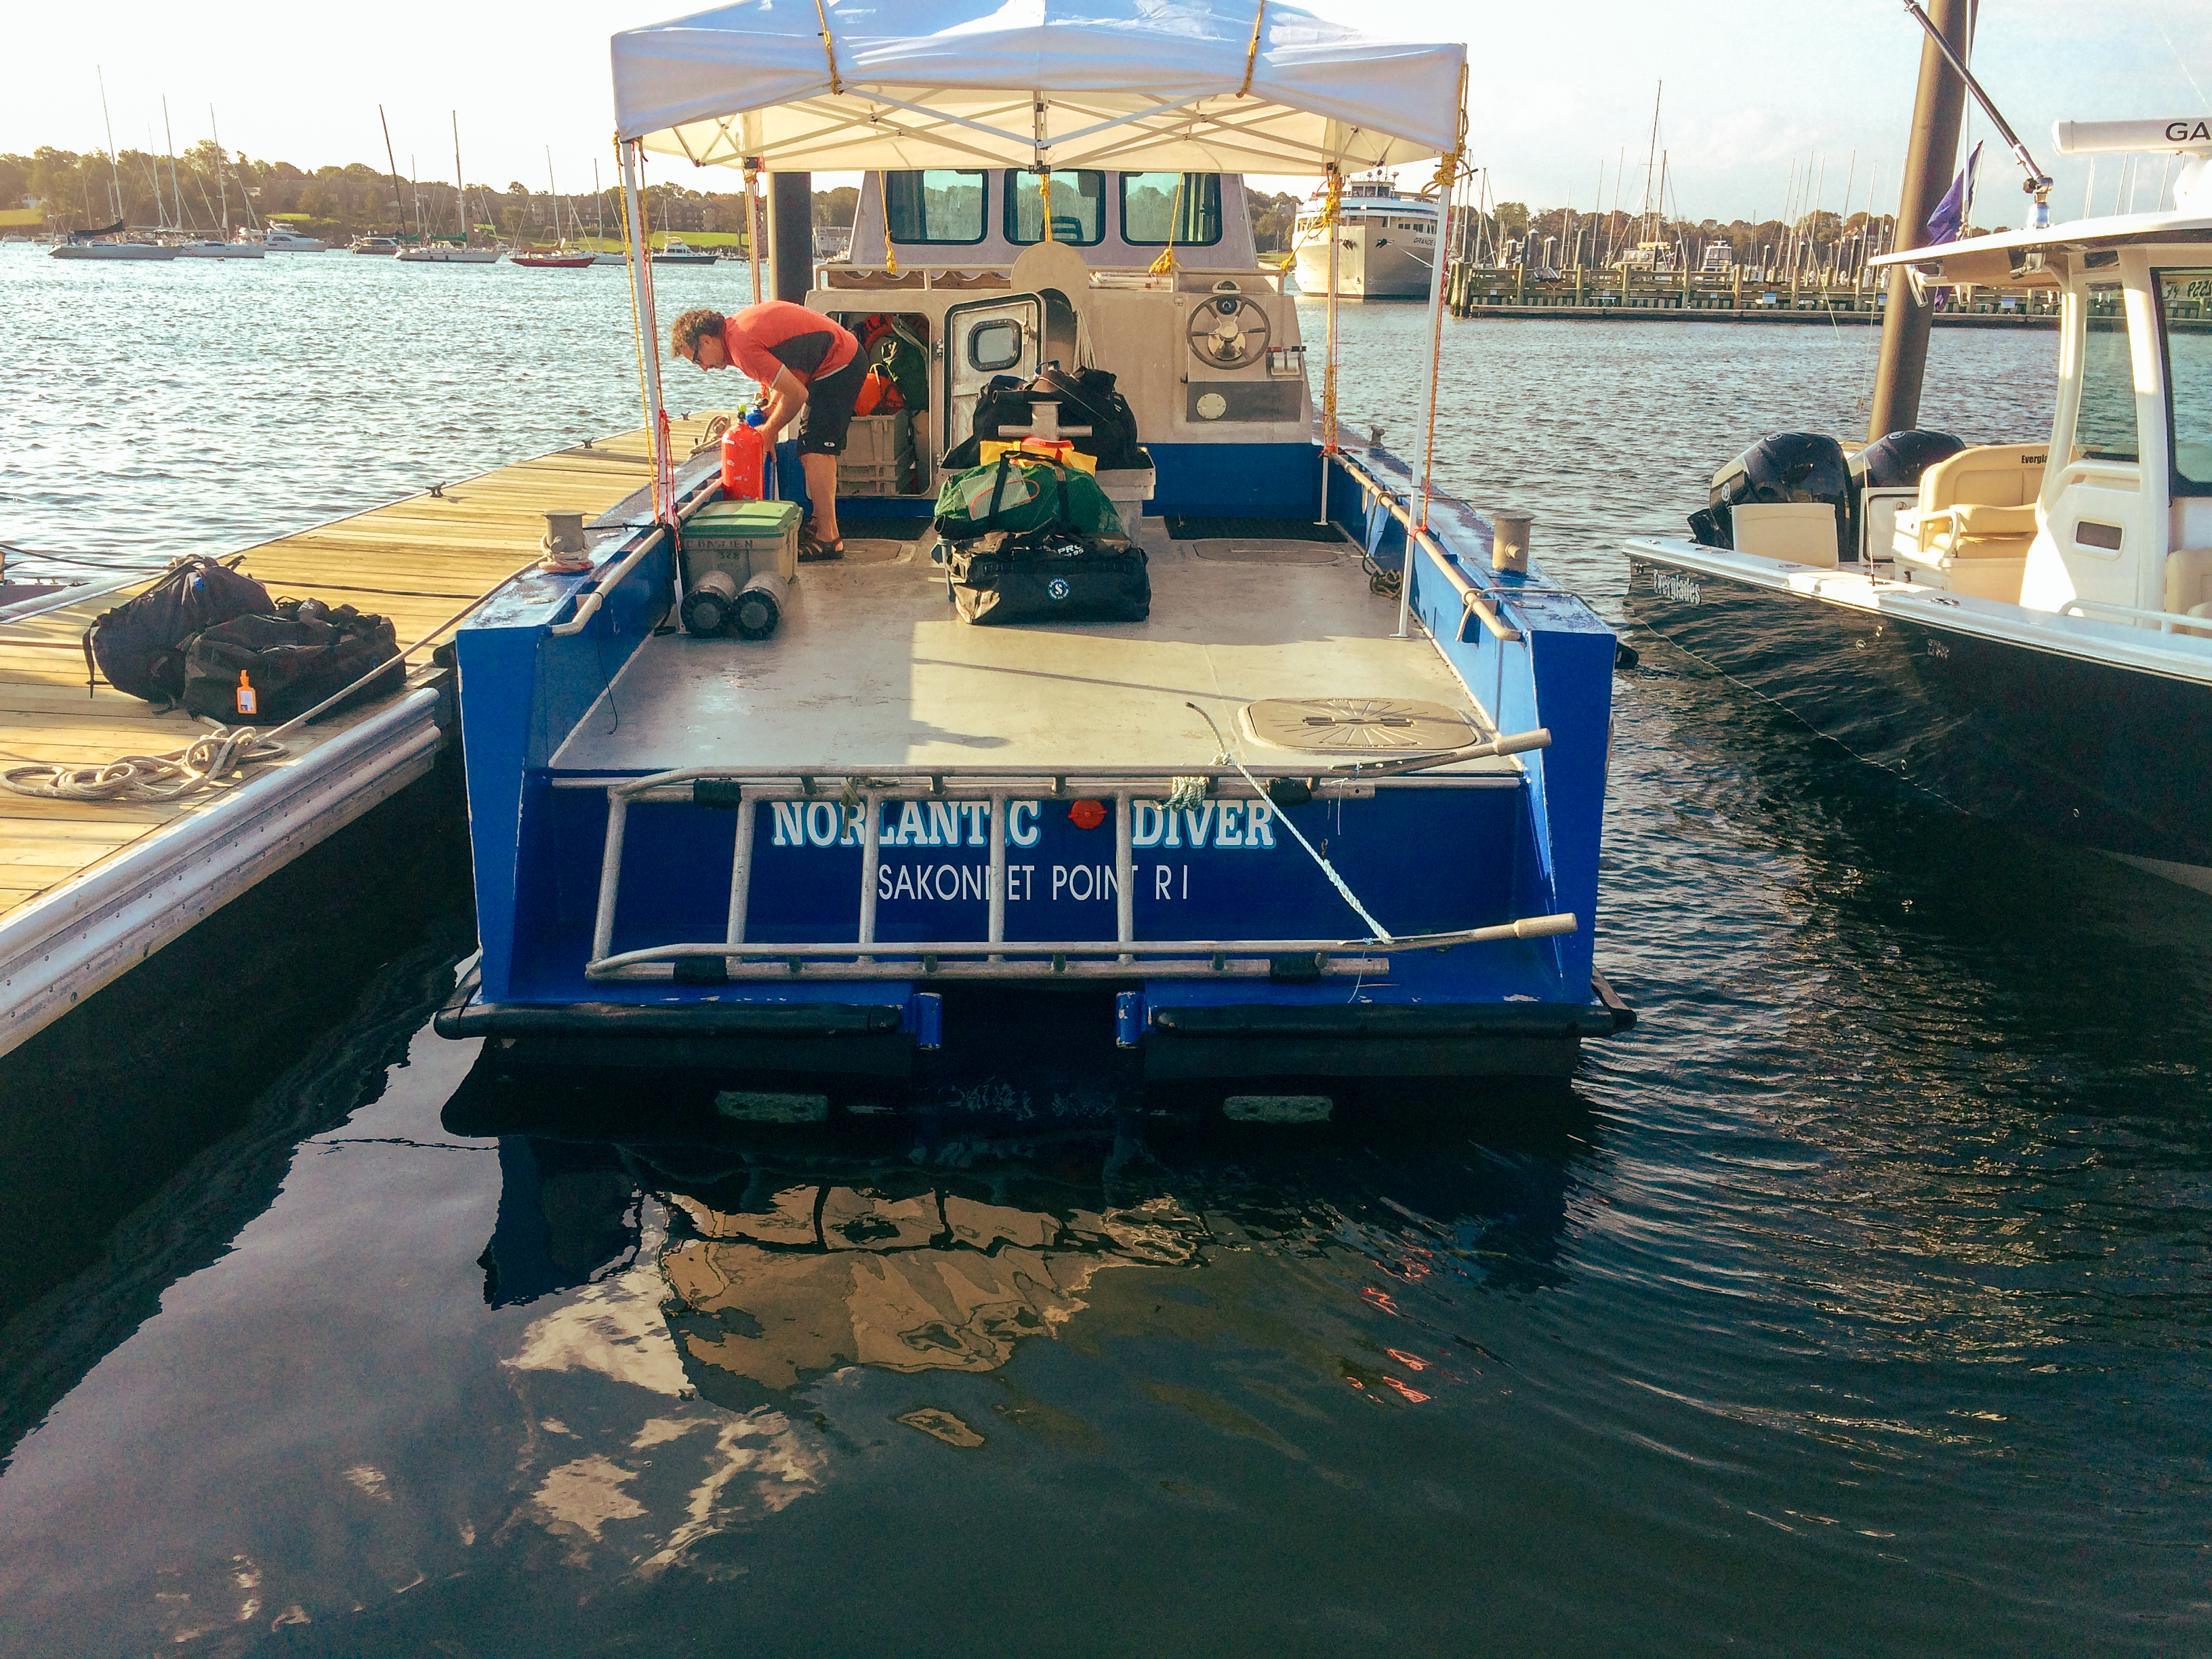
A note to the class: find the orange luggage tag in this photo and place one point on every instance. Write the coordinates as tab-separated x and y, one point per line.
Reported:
248	701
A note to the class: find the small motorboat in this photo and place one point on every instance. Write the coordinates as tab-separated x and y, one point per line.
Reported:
552	259
374	245
277	239
676	252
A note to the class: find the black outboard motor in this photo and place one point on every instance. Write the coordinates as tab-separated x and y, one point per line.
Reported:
1894	462
1791	466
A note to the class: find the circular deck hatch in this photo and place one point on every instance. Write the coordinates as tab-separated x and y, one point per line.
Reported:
1356	725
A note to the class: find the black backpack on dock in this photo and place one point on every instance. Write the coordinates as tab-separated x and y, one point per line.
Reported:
140	645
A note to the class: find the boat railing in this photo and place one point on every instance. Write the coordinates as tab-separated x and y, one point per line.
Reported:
856	802
2166	621
1472	598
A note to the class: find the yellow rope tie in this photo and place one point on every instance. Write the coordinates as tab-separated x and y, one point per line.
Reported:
1252	52
883	189
1044	184
1165	264
829	48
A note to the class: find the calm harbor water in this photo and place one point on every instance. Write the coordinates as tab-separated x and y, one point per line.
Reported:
1856	1303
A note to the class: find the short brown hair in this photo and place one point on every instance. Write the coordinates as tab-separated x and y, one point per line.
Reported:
685	330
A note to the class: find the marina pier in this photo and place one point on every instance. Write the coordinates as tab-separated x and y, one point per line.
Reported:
91	888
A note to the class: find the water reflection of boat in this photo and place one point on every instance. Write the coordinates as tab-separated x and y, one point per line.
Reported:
775	1272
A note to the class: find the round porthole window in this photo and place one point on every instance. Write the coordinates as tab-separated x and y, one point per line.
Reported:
1211	406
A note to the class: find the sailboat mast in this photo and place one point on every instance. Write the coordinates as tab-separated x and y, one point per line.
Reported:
398	212
460	189
1930	157
553	195
170	139
114	172
222	182
1650	159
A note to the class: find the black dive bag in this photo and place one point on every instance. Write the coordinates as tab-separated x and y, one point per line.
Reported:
264	670
1086	398
140	645
1050	575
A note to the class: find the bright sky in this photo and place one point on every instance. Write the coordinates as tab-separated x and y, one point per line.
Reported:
1558	91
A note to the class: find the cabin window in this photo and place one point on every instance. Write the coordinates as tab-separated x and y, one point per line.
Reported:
2104	427
937	204
995	346
1187	204
2185	312
1079	208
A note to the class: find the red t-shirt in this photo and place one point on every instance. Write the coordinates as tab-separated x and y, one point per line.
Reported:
765	339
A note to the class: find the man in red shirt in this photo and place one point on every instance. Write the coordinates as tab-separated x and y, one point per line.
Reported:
811	370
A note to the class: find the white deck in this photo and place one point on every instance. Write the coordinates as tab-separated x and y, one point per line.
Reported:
871	668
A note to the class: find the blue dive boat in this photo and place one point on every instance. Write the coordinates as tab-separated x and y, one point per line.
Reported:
1313	817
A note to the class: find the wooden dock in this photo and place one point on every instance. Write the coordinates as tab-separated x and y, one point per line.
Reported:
89	889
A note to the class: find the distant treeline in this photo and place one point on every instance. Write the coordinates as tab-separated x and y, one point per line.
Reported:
203	185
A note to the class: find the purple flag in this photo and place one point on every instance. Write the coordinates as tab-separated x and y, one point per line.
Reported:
1956	210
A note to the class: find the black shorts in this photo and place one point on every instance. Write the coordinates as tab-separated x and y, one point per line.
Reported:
828	412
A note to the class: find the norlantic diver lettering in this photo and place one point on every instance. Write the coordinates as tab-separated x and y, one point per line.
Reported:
1224	825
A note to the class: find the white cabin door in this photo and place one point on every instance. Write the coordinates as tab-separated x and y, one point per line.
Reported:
984	339
2097	518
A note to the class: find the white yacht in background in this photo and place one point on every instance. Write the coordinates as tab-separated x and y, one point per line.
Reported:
211	247
1388	241
373	244
277	239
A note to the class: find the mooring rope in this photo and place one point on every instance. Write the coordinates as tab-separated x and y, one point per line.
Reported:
1377	930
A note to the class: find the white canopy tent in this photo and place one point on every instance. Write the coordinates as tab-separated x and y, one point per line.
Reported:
1202	86
1192	86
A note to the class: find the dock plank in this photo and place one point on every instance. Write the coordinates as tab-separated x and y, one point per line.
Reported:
418	561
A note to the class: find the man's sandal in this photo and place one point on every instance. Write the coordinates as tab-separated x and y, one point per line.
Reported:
812	550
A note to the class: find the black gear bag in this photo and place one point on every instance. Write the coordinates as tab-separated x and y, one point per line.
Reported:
140	645
1053	575
266	670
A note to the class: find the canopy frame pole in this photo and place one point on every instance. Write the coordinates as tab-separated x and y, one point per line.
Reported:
753	222
1333	187
1447	175
648	327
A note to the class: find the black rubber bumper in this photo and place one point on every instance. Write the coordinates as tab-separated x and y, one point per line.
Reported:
1489	1039
866	1039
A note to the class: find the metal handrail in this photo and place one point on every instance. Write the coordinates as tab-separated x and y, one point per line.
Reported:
862	956
2168	621
606	580
1471	596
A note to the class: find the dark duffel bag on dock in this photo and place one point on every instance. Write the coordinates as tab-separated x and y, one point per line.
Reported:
1048	576
140	645
264	670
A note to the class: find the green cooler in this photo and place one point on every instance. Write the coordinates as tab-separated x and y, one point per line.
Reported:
746	538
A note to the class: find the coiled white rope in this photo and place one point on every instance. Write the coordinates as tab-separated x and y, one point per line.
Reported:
212	761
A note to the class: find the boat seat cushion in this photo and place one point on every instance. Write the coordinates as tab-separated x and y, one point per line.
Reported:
1993	475
1975	522
2188	579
